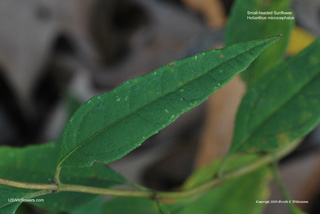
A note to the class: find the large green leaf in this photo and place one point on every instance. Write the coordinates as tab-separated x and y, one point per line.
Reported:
109	126
240	29
281	107
37	164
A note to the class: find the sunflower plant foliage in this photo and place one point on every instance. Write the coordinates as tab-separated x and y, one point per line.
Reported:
280	107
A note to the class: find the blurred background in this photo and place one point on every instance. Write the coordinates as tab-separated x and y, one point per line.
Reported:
55	55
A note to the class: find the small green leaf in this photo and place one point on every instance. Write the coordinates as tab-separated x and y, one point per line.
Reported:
281	107
36	164
240	29
7	207
109	126
10	198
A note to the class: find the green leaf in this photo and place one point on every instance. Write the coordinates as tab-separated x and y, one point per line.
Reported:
131	205
281	107
36	164
7	207
109	126
234	196
240	29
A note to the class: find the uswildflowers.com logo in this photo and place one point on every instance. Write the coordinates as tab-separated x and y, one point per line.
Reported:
13	200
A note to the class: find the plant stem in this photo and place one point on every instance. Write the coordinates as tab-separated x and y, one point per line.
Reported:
57	174
103	191
262	161
25	185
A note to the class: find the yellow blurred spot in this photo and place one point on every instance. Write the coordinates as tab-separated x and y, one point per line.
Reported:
300	39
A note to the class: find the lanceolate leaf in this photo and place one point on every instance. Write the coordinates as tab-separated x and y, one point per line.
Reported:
283	106
109	126
36	164
240	29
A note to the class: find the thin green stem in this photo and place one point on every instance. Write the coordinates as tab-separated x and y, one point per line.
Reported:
199	190
57	174
104	191
25	185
